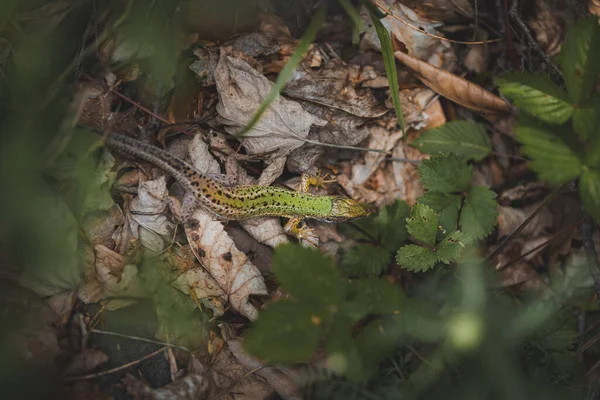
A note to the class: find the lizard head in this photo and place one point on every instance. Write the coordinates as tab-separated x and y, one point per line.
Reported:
344	208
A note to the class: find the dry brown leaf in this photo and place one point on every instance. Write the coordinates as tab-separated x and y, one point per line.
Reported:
215	250
382	139
241	90
116	276
455	88
338	86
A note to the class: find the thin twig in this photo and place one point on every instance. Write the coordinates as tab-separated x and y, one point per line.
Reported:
140	339
237	380
117	369
524	224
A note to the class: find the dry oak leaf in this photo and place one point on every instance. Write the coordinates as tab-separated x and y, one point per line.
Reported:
455	88
232	270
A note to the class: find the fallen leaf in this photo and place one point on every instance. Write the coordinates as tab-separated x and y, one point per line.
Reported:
241	90
227	265
453	87
337	86
146	215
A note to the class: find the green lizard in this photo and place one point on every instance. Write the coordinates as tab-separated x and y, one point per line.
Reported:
243	202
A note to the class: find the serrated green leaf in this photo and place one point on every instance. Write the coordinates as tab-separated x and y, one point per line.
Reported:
366	259
552	159
282	323
415	258
537	95
423	224
388	227
580	58
446	206
308	275
379	295
445	174
450	249
586	118
479	213
589	191
463	138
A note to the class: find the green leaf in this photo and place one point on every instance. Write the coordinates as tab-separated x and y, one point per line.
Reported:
388	227
446	206
423	224
586	119
463	138
537	95
580	58
447	173
389	62
552	159
278	326
450	249
379	295
311	32
366	259
479	213
592	152
415	258
589	190
308	275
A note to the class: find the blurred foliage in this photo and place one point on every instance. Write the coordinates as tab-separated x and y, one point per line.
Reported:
562	152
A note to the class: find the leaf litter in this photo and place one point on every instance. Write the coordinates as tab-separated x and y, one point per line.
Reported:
327	101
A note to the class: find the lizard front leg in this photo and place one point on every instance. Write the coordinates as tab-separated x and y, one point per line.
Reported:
303	233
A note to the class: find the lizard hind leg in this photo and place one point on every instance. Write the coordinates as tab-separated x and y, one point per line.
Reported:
303	233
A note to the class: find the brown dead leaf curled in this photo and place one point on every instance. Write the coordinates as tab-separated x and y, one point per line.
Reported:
455	88
241	90
232	270
116	276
